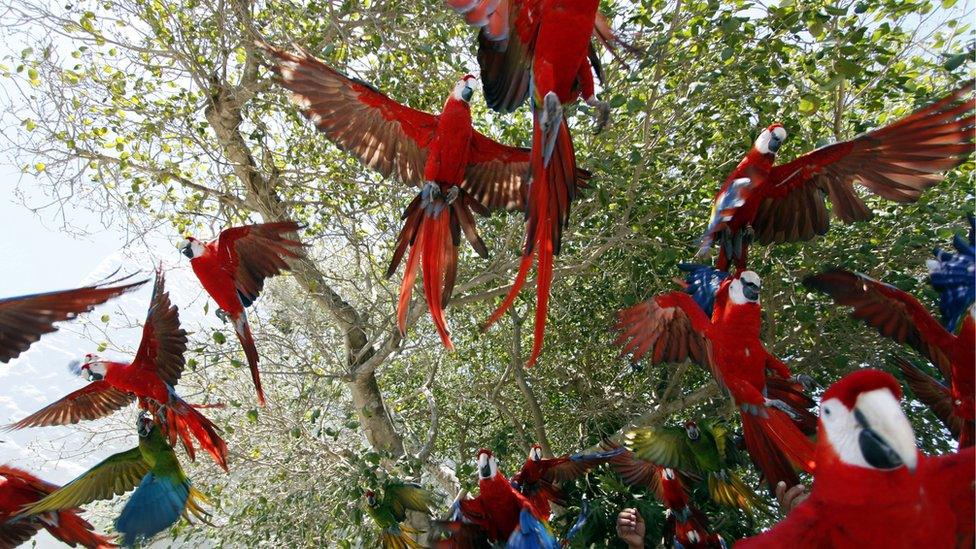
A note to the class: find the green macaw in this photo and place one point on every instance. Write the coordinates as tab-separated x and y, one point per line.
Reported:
390	510
706	451
163	494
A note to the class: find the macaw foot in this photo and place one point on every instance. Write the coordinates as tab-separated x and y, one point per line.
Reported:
550	119
683	514
755	409
433	201
748	235
808	382
222	315
725	240
602	114
783	407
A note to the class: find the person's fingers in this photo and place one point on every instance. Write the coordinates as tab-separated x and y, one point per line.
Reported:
795	491
780	491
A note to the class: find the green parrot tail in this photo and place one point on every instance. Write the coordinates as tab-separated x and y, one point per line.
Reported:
399	537
727	488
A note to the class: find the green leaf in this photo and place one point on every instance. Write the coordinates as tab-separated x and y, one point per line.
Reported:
219	338
847	68
105	318
955	61
809	104
252	415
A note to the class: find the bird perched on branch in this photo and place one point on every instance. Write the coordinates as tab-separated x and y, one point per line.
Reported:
788	202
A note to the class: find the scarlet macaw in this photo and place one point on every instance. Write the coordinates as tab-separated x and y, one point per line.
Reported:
543	46
24	319
19	488
787	202
459	170
685	525
539	479
701	448
150	378
499	514
389	511
872	487
673	328
232	269
899	316
953	275
162	495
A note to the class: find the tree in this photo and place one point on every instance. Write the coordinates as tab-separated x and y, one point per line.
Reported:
159	115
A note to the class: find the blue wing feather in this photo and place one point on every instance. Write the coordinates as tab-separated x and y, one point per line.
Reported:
953	275
531	534
702	282
156	505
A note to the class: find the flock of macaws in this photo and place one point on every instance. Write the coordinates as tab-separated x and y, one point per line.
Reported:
871	484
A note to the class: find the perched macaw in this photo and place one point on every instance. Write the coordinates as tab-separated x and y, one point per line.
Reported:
498	514
542	46
703	448
539	479
787	202
150	378
163	493
459	170
19	488
672	327
953	275
899	316
390	510
872	487
24	319
232	269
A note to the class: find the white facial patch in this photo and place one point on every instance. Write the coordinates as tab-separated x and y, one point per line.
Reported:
780	133
762	142
668	473
737	291
883	415
458	92
197	247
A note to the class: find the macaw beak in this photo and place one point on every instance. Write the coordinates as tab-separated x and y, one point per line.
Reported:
467	93
693	433
187	250
485	472
751	292
774	143
886	439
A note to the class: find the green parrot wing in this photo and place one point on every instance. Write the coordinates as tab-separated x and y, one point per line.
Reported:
115	475
666	446
720	433
400	496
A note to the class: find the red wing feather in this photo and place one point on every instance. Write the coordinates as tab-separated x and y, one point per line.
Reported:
932	393
24	319
386	136
163	340
672	327
257	252
894	313
95	400
896	162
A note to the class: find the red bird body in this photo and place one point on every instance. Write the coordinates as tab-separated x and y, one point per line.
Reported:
871	487
672	327
787	202
151	378
18	489
542	45
898	315
459	170
673	494
539	479
232	269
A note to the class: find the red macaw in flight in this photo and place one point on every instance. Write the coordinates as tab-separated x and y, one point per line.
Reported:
233	268
459	170
542	46
24	319
499	514
787	202
539	479
151	378
672	327
872	487
899	316
18	488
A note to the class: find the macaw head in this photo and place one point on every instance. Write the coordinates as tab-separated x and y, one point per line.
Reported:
371	498
770	139
191	247
92	368
465	87
691	429
144	424
667	473
744	288
535	453
487	464
863	423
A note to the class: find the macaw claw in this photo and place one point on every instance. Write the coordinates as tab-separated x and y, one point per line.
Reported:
783	407
602	114
222	315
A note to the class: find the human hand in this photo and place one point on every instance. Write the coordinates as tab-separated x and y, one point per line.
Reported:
789	499
631	528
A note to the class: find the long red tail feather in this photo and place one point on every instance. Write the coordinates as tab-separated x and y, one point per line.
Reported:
776	445
188	418
243	330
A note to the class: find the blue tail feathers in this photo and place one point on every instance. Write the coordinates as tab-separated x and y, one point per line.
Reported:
156	505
